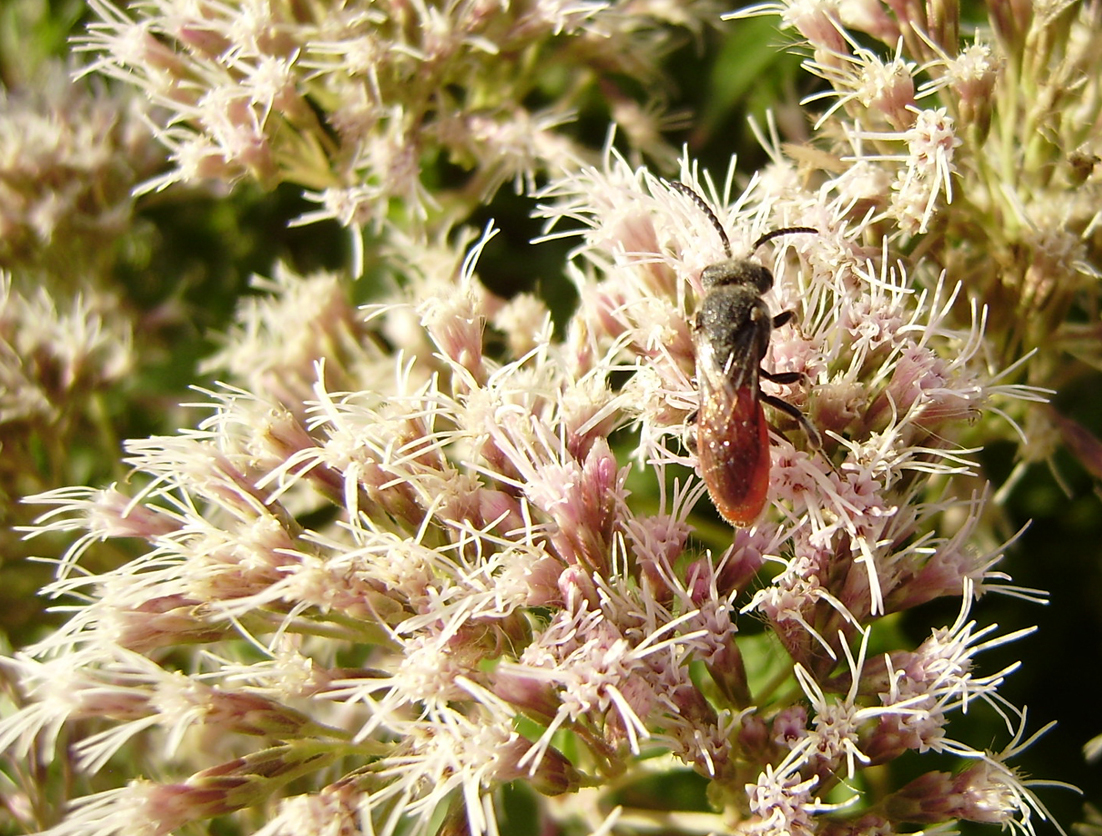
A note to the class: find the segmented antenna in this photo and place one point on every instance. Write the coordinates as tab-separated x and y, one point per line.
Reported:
788	230
707	210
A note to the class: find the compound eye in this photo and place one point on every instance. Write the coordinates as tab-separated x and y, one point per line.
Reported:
762	278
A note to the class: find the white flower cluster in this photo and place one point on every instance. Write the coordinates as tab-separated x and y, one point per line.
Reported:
435	582
360	103
427	549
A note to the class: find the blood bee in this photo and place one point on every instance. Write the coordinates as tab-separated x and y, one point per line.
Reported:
731	334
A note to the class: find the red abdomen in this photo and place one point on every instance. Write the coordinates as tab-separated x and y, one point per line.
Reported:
733	447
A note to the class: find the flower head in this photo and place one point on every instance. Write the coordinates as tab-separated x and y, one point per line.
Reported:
421	550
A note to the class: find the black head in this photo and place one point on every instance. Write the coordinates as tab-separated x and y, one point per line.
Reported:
736	271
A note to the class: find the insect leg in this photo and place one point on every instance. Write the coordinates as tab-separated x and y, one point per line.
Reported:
783	377
814	440
690	440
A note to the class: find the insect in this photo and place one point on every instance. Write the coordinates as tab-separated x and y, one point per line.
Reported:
731	333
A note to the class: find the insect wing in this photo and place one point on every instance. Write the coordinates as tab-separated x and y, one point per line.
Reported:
732	441
747	346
